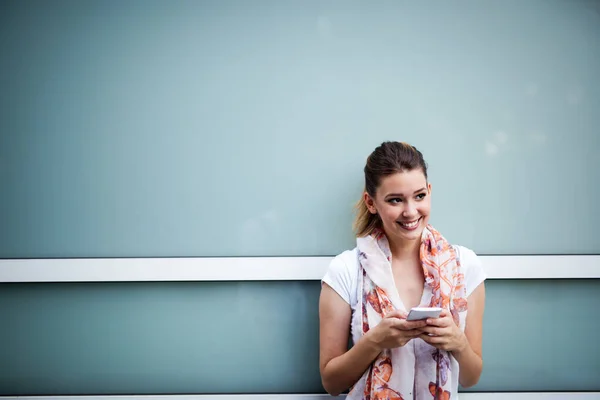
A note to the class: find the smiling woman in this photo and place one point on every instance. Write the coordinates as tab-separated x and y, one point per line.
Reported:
385	162
400	262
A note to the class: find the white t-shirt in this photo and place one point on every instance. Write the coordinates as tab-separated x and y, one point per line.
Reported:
343	271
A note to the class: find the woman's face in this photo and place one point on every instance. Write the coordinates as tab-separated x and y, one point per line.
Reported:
403	202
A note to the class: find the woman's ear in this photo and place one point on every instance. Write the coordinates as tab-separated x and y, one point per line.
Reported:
370	203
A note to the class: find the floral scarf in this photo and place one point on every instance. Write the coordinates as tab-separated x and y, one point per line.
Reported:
416	370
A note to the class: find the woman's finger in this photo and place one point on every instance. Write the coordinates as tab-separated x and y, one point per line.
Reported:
414	333
434	330
409	325
433	340
441	321
397	314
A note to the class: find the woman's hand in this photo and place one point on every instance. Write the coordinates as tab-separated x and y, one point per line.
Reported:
442	333
395	331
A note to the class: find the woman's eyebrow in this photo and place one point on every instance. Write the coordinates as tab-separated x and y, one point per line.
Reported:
401	195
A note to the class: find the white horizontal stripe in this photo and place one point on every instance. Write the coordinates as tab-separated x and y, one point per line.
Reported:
542	267
261	268
462	396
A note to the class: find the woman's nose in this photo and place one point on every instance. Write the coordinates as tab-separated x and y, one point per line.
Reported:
409	210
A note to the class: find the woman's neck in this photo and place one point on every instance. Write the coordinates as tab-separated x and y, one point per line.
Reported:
404	249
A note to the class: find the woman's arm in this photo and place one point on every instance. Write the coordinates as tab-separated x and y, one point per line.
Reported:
469	356
340	367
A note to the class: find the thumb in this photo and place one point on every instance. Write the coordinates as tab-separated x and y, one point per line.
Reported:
397	314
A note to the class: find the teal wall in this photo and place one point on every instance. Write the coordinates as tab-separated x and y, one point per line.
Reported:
237	128
240	128
260	337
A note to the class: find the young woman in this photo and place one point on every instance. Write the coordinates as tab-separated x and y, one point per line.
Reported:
400	262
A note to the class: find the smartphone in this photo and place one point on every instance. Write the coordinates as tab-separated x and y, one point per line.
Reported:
418	313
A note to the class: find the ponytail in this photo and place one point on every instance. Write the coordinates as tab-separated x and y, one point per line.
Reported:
365	222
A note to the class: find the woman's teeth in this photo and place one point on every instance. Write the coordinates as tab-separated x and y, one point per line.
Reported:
409	225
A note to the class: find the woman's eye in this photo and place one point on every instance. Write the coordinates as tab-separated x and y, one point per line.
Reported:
421	196
395	200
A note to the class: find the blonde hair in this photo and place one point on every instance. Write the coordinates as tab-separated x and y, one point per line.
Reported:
387	159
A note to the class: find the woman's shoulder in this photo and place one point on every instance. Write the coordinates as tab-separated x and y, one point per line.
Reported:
349	258
345	263
465	254
342	274
471	265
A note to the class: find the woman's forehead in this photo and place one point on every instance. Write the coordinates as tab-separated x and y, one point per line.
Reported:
403	182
